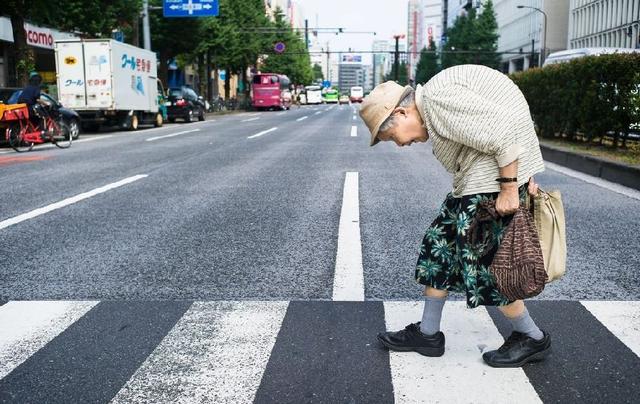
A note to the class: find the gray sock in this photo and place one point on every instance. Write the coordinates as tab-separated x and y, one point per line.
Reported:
432	314
524	324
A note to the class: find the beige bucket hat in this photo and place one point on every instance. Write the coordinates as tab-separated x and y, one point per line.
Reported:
379	104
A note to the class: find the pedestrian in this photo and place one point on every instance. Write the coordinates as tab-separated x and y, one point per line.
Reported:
482	133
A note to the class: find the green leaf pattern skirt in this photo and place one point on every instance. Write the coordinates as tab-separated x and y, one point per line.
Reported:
449	261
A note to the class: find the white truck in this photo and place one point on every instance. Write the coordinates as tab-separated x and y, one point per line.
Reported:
108	82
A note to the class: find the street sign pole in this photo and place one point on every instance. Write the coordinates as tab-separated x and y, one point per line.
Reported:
146	31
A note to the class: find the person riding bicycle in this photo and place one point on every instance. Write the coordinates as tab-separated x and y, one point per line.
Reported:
31	96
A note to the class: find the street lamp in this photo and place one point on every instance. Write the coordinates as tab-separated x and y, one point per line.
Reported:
543	51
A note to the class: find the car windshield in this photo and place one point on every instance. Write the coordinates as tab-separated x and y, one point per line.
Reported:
175	92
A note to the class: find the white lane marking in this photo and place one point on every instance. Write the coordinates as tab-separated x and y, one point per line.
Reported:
318	113
354	117
621	318
151	139
69	201
461	369
250	119
91	139
256	114
348	281
611	186
302	118
28	326
264	132
354	131
217	352
280	113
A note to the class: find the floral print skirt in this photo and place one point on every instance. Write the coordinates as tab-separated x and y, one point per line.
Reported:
450	261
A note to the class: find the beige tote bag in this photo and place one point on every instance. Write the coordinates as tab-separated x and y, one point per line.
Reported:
548	215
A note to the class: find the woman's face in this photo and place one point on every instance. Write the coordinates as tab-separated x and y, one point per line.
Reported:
408	128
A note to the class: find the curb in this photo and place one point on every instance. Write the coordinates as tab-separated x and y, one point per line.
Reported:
622	174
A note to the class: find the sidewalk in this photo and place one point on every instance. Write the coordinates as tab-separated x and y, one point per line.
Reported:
620	173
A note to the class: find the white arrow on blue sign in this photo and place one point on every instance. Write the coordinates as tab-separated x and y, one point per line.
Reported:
191	8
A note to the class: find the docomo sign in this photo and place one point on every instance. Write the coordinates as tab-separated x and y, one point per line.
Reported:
39	37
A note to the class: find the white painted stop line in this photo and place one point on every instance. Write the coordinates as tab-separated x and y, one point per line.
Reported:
264	132
69	201
151	139
354	131
348	281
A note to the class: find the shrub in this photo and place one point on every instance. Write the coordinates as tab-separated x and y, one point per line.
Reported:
589	96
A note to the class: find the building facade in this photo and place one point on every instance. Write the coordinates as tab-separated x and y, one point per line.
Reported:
522	31
380	57
432	13
350	71
415	35
604	23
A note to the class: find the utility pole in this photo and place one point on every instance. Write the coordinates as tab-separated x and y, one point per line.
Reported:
306	33
146	31
396	62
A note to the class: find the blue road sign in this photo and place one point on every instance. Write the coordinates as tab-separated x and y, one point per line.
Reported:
191	8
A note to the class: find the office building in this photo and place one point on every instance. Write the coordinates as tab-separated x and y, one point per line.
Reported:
604	23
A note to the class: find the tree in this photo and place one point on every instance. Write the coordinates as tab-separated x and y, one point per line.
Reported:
473	38
317	73
403	78
428	64
172	38
234	39
294	61
88	18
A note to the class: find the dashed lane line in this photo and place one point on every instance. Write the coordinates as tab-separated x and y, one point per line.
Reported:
302	118
264	132
151	139
69	201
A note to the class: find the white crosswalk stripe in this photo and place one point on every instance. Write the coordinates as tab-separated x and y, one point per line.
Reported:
219	351
468	334
25	327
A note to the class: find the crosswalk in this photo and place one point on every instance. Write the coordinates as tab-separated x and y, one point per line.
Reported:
305	352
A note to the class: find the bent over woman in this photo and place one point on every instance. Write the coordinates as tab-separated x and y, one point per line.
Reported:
482	133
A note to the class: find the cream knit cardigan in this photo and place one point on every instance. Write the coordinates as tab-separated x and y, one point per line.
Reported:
478	120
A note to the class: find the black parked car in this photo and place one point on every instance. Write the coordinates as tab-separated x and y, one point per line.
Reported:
185	104
70	117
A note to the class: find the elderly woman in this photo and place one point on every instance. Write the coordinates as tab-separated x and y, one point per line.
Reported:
482	133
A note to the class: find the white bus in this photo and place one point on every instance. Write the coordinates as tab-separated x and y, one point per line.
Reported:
314	95
356	94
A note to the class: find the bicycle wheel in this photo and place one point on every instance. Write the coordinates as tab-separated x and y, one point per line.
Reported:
15	136
61	134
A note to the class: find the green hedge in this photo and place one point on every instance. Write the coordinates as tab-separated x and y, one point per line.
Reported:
586	97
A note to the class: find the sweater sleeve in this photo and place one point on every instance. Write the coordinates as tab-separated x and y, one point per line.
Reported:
461	115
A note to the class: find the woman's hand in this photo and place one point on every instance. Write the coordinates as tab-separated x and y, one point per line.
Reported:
533	187
508	200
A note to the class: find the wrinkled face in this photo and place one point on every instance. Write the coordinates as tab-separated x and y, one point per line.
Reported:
408	128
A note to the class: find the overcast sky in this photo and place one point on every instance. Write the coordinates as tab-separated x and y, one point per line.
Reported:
385	17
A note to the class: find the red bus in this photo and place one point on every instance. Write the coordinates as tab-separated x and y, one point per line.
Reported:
270	90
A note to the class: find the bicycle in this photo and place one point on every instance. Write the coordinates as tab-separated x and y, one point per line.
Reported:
22	134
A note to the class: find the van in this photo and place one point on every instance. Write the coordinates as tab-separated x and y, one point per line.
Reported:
570	54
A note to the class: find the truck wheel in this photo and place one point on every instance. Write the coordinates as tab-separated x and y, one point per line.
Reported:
159	120
133	122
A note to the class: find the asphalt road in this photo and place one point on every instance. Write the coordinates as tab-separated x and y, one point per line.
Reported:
224	216
197	264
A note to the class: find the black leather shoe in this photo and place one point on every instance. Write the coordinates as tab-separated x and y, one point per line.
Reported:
517	350
411	339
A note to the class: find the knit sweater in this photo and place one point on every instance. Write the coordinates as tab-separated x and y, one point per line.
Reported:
478	121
